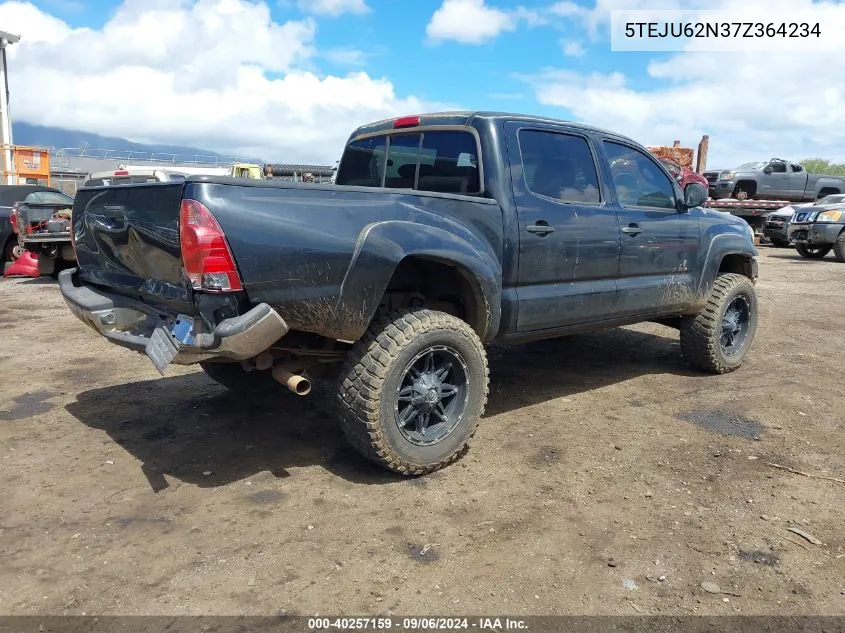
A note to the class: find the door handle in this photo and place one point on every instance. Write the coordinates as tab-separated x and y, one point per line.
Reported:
631	229
542	228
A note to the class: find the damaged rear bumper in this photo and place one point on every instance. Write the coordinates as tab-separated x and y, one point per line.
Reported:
132	324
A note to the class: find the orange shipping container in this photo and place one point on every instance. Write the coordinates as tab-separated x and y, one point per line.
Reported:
31	164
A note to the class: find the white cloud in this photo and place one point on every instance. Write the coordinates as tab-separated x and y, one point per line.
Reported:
215	74
472	21
351	57
753	105
333	8
573	48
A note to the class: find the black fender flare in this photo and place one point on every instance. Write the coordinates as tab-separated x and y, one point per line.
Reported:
720	246
382	246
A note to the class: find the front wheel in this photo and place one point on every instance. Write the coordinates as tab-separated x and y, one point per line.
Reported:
413	389
812	252
839	247
718	338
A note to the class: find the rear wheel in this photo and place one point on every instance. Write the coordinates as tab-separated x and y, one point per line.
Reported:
717	339
812	252
839	247
743	191
234	378
413	389
11	251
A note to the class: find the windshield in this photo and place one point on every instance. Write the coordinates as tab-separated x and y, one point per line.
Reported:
48	197
751	166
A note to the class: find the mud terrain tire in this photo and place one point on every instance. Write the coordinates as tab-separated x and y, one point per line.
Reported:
812	252
411	369
718	338
839	247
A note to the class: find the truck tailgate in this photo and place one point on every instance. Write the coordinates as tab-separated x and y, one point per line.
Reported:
127	240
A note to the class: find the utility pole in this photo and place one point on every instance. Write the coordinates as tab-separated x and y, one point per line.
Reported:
703	146
5	119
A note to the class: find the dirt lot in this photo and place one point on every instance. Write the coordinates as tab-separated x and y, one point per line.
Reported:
602	462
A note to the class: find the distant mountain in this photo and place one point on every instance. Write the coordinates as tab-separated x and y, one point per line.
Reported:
56	137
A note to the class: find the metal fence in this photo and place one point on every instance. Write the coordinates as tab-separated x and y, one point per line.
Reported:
70	166
63	156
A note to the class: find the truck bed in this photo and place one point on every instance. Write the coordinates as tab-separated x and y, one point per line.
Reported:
327	282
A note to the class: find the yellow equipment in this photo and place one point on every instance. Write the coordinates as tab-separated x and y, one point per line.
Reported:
246	170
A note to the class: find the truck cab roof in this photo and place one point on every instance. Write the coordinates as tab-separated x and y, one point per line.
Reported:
465	118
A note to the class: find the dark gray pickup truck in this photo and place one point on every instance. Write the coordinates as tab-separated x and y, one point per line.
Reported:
443	233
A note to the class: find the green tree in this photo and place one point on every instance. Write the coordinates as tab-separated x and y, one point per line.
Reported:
823	166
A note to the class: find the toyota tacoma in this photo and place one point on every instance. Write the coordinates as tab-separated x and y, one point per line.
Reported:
444	233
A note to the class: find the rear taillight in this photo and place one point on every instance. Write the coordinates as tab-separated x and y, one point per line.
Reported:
208	261
13	218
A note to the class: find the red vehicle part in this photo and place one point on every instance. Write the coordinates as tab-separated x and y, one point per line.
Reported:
683	175
24	266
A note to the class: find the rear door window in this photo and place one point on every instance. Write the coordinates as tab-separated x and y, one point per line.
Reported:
559	166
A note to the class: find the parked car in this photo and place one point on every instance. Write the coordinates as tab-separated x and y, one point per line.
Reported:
42	221
445	232
818	229
682	175
776	179
776	223
9	195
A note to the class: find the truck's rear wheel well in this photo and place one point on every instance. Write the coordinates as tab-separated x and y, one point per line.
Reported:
740	264
828	191
423	282
749	187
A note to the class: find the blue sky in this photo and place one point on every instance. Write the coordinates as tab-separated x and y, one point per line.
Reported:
391	39
288	80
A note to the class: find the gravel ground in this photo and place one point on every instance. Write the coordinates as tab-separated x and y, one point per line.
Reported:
606	478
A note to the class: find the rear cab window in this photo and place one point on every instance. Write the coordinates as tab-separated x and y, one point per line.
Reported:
48	197
443	161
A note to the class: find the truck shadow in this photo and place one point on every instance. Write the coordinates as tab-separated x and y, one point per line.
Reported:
522	375
792	256
188	428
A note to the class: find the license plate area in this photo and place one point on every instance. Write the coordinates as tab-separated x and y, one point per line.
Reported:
166	341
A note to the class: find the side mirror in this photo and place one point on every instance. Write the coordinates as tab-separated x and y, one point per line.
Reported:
767	169
695	194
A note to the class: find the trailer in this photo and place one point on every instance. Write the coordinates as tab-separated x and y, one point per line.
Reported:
752	211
